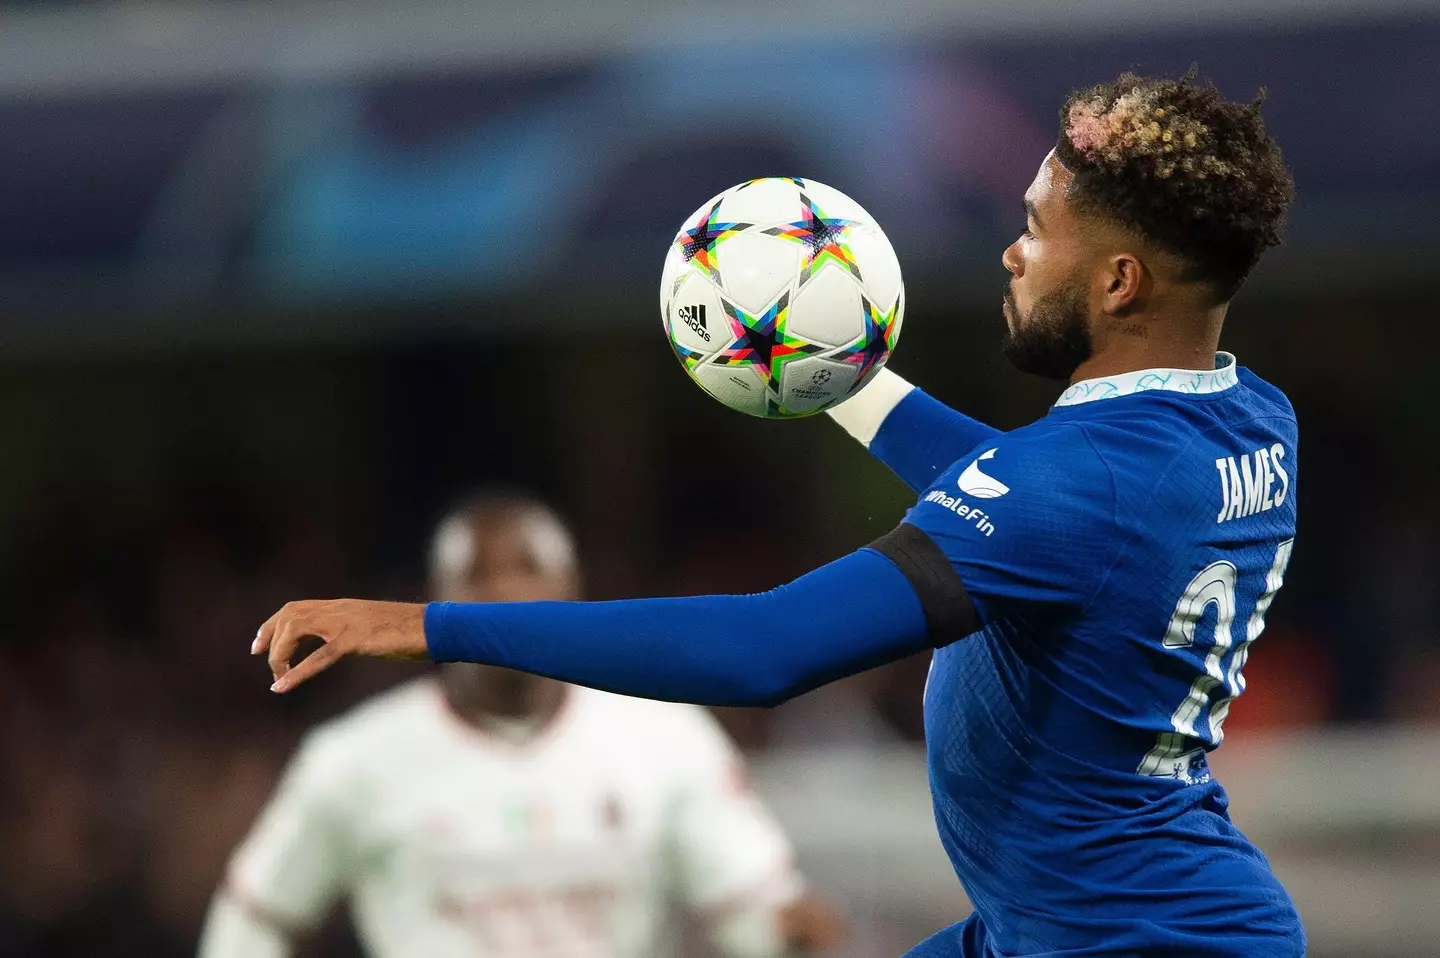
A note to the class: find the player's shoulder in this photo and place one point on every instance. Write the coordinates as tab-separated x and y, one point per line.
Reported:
1017	490
1107	445
1162	439
1265	397
1047	457
666	729
381	722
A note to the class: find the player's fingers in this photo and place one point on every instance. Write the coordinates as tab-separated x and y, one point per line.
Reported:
291	628
313	664
265	633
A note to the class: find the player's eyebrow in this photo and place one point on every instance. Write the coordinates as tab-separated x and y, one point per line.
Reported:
1031	211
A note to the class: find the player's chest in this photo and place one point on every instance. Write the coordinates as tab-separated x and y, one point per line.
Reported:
466	820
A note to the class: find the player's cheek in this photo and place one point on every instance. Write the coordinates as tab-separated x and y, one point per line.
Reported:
1034	280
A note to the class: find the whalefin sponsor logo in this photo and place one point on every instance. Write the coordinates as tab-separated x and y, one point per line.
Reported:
975	483
961	508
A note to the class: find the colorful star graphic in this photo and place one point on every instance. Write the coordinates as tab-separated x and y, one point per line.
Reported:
822	236
764	179
690	357
698	243
763	342
874	343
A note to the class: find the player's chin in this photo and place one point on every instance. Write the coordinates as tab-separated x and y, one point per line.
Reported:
1009	309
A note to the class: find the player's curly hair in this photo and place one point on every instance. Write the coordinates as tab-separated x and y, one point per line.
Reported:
1197	174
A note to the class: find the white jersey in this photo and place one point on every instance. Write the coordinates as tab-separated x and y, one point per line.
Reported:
448	841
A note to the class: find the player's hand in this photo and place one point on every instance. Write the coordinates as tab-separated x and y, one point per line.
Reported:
387	630
811	924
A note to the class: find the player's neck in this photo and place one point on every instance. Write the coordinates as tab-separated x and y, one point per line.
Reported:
1175	341
536	701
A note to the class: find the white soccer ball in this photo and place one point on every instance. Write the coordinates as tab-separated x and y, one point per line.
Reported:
781	297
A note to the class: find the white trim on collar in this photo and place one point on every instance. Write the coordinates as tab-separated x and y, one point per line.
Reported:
1193	382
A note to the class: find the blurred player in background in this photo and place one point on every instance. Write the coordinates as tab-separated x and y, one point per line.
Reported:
483	811
1092	581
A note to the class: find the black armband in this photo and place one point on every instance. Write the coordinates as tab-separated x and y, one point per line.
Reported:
949	613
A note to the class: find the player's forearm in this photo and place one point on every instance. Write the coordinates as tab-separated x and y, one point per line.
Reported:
851	615
913	433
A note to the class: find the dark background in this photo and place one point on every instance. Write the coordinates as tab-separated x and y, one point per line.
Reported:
258	327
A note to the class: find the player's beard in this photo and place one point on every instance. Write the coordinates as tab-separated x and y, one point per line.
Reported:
1053	339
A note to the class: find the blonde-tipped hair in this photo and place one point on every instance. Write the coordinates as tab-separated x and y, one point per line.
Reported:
1177	163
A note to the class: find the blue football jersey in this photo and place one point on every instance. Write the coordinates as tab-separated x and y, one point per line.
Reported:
1121	554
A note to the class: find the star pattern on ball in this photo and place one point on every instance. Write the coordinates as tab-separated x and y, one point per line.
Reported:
764	342
822	236
765	179
689	357
699	242
874	344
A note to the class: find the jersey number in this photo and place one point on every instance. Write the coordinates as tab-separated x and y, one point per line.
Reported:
1212	585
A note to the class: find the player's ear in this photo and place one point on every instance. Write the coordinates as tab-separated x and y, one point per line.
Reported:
1125	280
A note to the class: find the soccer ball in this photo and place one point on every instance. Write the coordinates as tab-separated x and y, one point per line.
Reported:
781	297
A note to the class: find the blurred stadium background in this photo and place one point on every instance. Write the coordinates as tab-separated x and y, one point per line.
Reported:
279	279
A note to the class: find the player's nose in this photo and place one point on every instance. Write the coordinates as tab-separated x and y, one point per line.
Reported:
1011	258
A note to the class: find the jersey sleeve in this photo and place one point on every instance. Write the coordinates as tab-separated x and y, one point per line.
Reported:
914	434
733	864
850	615
292	867
1028	525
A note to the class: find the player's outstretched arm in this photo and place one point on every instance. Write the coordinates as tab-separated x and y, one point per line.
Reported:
851	615
914	434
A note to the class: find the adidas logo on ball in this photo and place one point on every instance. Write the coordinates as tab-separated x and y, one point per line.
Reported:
694	317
